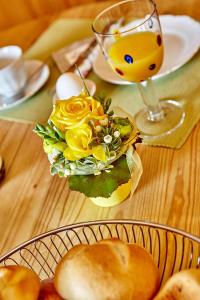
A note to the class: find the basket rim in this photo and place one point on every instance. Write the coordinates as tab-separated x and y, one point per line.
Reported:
100	222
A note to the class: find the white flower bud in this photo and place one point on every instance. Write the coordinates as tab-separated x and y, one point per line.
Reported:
72	166
51	158
67	172
107	139
98	128
96	173
100	165
116	134
104	122
55	152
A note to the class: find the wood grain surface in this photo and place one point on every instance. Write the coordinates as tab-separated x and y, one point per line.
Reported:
18	11
32	202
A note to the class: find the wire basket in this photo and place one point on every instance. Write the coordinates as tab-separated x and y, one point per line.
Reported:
172	249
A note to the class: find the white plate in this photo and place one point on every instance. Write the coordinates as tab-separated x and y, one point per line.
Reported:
37	74
181	36
91	86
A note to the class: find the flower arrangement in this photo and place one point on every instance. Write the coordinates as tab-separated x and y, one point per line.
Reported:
84	139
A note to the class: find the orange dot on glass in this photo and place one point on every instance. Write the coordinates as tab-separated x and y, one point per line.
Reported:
159	40
119	71
152	67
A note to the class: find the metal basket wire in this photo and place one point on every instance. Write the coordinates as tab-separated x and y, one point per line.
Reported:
172	249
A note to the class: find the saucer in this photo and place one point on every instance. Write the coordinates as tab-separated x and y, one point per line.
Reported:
37	74
91	86
181	35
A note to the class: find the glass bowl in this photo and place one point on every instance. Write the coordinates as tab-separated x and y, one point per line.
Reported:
172	249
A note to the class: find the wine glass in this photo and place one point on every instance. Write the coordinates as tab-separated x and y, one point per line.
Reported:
130	38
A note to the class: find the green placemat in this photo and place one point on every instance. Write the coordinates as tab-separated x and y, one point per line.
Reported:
182	85
59	34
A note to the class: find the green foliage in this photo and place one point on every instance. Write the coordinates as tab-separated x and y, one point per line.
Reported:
124	126
104	184
49	132
105	102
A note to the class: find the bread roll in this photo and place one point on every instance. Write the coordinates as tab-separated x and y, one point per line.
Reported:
47	291
18	283
184	285
108	270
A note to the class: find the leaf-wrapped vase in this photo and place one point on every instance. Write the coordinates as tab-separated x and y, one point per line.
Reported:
125	190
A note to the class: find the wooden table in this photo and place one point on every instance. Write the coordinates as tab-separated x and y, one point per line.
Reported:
32	202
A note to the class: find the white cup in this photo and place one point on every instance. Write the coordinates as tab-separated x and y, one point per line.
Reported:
13	74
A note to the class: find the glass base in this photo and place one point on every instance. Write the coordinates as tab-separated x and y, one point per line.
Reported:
173	117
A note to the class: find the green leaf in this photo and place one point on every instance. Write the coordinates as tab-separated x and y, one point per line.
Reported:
102	185
49	132
60	134
105	102
53	170
61	173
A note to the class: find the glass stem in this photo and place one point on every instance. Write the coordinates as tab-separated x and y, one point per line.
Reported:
150	99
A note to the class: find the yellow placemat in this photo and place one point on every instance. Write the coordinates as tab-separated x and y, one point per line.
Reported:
182	85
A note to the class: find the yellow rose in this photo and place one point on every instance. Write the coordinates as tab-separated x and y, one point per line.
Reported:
78	140
99	153
71	113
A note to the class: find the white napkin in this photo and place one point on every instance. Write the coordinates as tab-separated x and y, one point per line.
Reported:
82	53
